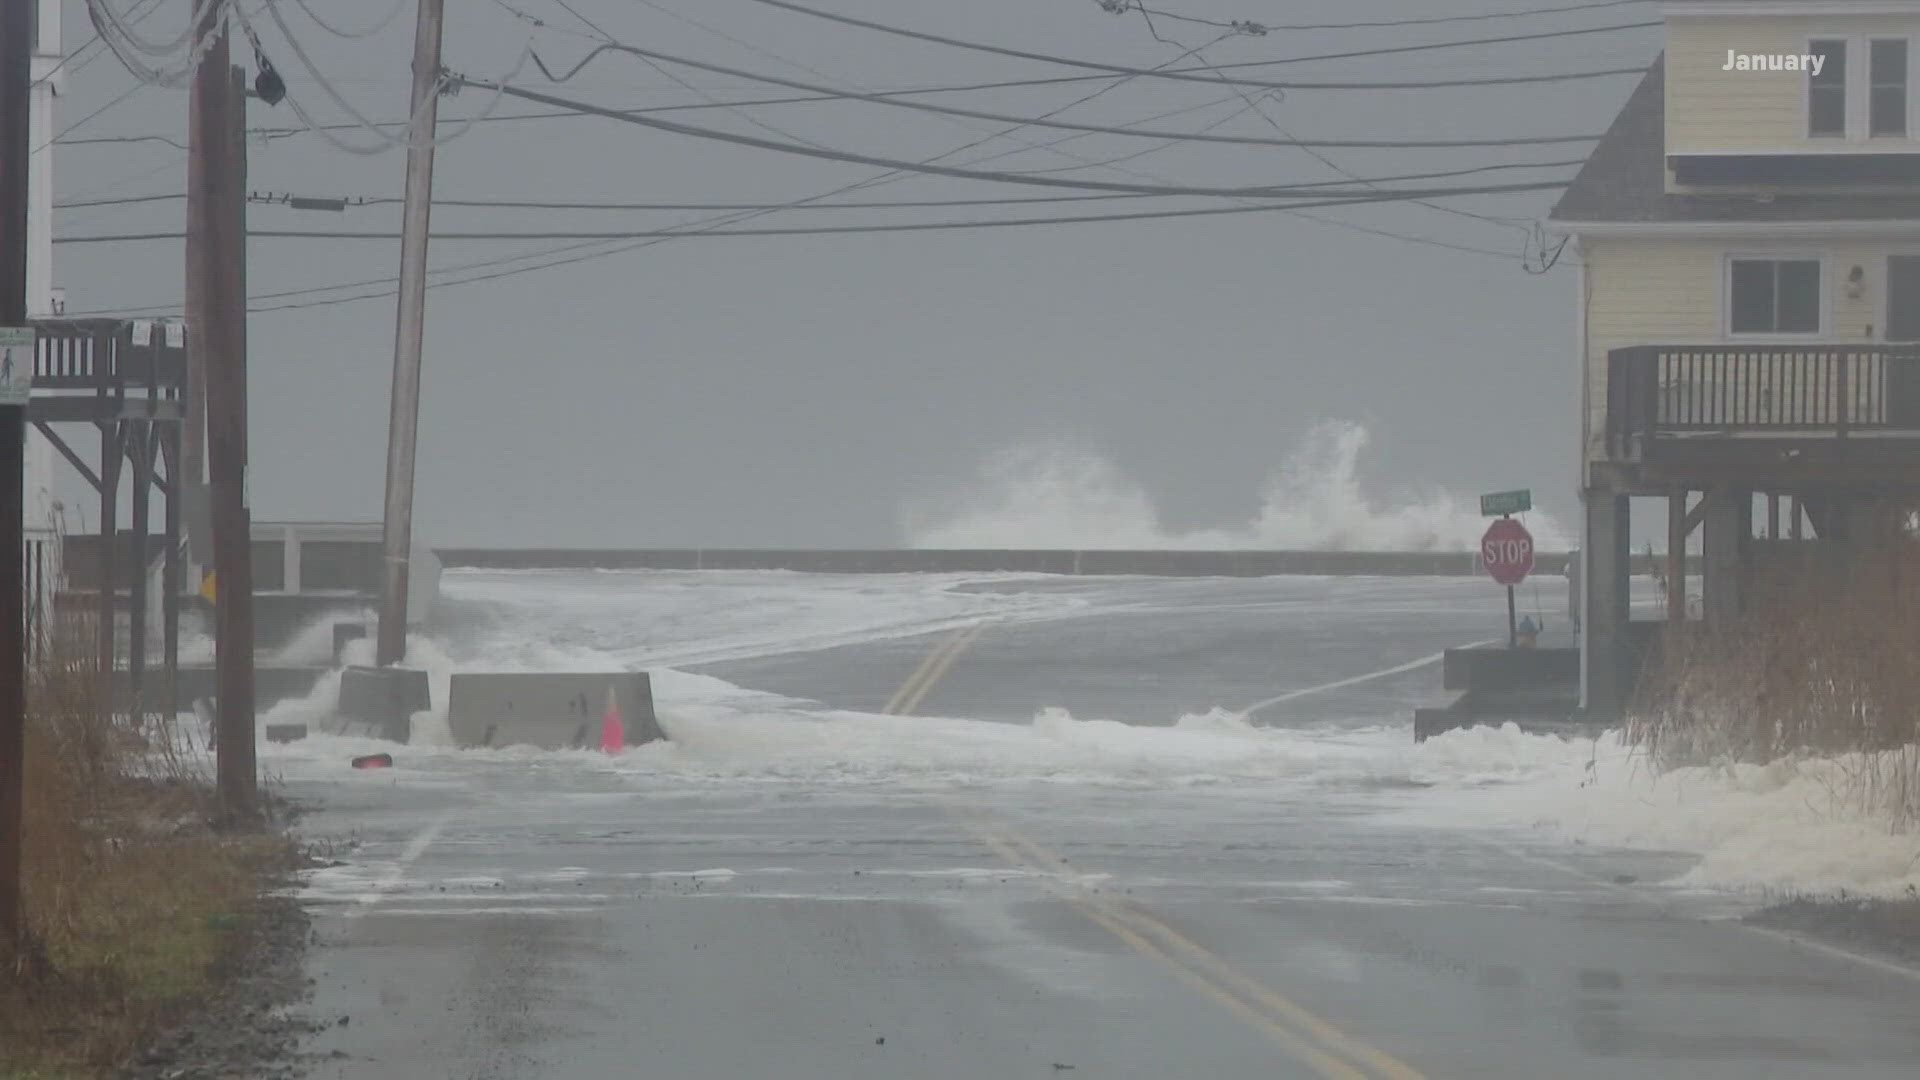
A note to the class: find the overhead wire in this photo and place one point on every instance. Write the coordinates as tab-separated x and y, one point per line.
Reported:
1304	188
386	141
820	230
890	163
1337	168
659	236
1253	103
1104	129
1121	6
112	29
392	14
94	43
899	31
277	133
574	253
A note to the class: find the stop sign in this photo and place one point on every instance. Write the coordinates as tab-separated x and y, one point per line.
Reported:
1507	551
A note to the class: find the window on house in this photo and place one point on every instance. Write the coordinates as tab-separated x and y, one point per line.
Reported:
1774	296
1887	90
1827	90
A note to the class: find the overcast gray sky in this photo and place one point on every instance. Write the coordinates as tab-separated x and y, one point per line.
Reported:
825	390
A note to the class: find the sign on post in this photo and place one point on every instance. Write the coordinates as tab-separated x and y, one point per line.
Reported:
1506	550
16	364
1501	503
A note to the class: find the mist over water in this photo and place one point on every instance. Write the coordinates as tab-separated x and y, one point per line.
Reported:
1062	496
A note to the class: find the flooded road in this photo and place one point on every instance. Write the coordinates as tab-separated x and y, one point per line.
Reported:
1075	858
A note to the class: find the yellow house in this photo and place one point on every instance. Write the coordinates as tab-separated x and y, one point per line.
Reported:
1748	233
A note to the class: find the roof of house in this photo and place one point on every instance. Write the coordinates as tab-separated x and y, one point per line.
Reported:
1624	180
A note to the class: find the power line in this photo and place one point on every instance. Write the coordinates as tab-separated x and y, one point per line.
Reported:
1501	80
529	204
569	254
1022	54
1104	129
1120	7
830	94
894	163
387	20
95	40
660	237
916	226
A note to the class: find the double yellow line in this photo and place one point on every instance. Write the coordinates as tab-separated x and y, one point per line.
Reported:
1332	1053
931	670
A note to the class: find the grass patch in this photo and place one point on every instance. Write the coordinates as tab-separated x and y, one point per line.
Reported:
137	905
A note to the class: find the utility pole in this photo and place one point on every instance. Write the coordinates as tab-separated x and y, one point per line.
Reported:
216	259
403	421
16	83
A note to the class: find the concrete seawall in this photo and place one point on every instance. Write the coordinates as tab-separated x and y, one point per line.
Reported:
1035	561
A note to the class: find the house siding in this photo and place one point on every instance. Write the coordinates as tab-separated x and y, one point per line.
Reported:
1709	110
1668	291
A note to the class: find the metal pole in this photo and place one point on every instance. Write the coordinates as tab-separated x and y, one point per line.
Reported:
16	64
203	96
1677	557
403	422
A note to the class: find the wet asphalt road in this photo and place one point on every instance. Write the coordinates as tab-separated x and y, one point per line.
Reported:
502	919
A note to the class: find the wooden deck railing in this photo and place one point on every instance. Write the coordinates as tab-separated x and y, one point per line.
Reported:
103	356
1656	391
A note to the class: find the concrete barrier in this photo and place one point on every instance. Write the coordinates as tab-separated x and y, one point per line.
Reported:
1494	668
972	561
384	699
553	711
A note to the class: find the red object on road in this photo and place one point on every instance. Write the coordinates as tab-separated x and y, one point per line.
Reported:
613	731
374	761
1507	551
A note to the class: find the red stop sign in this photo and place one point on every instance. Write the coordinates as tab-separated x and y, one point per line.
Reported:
1507	551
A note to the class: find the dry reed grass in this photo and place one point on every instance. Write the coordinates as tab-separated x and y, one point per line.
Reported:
1825	663
135	902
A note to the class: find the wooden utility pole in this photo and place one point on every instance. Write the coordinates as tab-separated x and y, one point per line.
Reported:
16	88
403	421
217	254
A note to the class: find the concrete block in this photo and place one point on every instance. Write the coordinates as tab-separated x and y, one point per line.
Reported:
1483	668
553	711
1431	721
384	698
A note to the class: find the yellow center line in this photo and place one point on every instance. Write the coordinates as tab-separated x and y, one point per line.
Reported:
960	643
1328	1066
1328	1050
1138	917
895	703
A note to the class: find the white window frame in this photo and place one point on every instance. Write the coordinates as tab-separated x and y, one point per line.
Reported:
1825	261
1866	94
1853	124
1885	312
1859	91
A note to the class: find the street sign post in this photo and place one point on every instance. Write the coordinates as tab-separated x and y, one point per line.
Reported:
1507	552
1505	503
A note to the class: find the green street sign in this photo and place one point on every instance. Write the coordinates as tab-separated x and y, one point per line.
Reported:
1506	502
